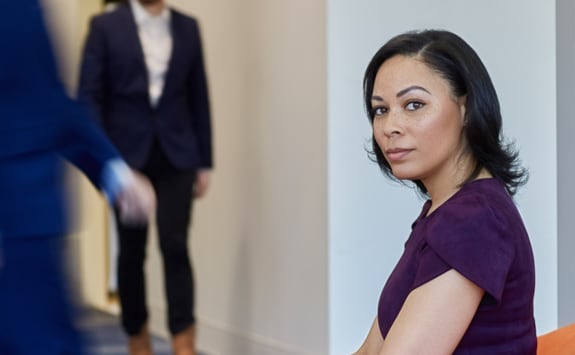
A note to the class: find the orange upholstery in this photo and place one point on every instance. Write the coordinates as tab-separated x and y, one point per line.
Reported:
557	342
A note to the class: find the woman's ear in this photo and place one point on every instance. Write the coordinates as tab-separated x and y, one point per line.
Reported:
462	103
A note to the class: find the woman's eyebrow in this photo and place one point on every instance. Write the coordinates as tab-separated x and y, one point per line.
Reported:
411	88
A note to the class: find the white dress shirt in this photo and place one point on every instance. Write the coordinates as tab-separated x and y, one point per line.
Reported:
156	39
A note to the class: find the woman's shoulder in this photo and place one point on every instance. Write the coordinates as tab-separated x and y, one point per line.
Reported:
481	210
466	230
482	198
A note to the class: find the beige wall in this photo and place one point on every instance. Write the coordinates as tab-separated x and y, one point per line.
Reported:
259	239
68	20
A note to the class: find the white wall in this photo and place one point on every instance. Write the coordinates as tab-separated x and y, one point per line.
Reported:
565	167
369	219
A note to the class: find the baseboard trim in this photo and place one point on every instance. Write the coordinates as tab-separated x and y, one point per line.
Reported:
219	339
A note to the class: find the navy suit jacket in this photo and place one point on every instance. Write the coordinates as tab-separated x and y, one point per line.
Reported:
39	125
114	81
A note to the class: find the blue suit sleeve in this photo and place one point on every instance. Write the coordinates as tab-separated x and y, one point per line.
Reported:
33	99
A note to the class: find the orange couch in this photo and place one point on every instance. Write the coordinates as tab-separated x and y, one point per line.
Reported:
557	342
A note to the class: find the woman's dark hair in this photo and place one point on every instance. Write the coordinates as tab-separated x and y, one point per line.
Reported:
451	57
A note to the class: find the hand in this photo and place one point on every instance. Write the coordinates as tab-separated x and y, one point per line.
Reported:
137	201
202	183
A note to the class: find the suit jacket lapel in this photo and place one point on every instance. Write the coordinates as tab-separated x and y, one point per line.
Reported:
176	47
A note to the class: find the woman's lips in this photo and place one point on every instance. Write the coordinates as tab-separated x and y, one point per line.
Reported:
396	154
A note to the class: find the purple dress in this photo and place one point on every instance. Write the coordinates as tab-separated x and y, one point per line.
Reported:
479	233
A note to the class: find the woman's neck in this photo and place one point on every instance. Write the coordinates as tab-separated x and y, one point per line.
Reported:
441	188
441	194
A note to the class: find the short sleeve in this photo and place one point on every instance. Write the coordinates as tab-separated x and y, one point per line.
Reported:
471	238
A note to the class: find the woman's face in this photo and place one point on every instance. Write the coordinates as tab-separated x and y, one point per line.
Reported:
417	123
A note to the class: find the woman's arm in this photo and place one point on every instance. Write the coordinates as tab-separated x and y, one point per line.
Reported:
373	343
434	317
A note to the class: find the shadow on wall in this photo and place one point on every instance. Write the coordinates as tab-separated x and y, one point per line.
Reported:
243	286
233	336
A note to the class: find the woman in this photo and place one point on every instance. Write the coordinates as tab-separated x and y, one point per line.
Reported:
466	280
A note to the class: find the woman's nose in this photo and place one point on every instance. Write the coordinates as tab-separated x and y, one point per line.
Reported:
392	125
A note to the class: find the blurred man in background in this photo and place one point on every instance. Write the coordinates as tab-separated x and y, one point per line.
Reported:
143	74
39	126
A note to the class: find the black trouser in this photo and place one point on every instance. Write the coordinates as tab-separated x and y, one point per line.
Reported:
174	204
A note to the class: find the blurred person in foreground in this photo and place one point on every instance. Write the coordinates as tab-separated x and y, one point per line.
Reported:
466	280
143	74
39	127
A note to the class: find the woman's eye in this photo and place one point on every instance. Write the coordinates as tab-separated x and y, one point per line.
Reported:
414	105
378	111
